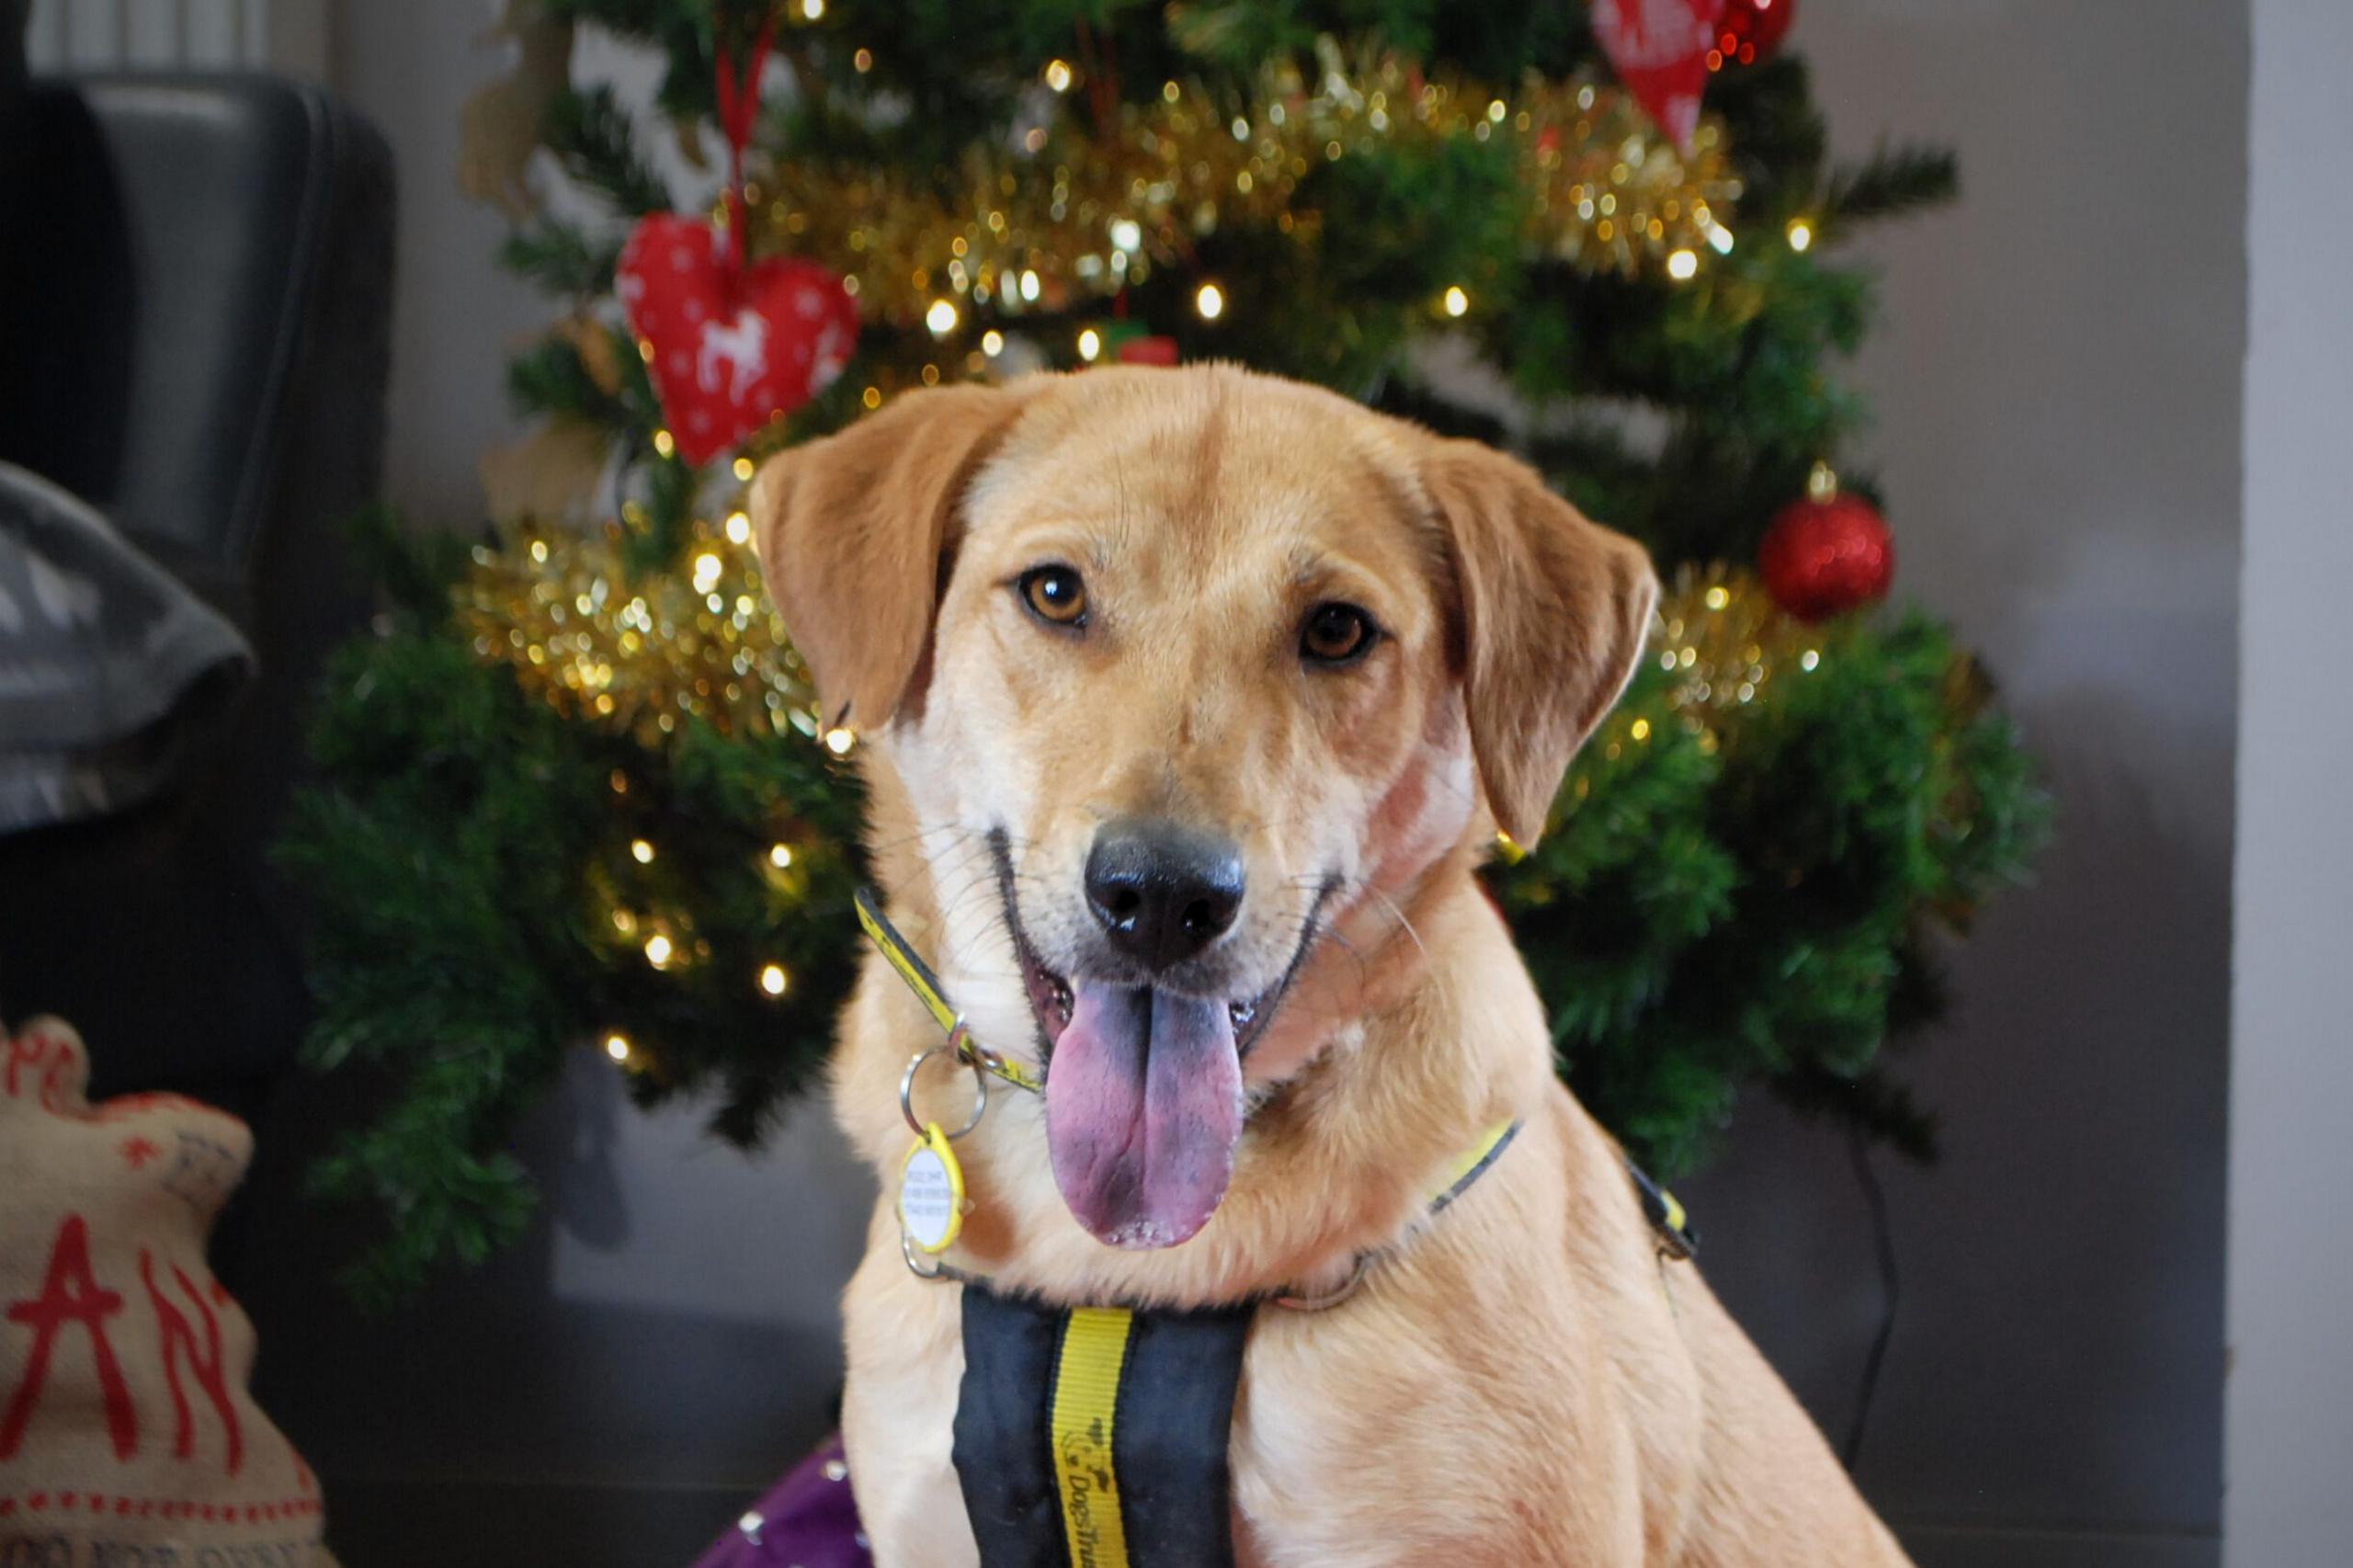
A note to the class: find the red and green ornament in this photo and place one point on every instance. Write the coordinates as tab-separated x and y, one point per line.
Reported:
1150	348
1124	342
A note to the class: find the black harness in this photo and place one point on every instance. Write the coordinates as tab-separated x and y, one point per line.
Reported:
1097	1436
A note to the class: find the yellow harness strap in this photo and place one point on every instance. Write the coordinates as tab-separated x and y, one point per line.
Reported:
1087	1398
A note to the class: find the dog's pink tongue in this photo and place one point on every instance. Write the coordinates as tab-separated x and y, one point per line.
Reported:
1144	1107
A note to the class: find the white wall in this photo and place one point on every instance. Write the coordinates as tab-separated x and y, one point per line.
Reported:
2289	1419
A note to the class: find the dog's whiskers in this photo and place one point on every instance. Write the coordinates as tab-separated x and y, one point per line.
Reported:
1404	921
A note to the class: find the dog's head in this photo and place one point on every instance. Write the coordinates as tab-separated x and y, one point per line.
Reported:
1183	673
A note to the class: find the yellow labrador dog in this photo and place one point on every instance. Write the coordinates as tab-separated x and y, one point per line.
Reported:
1190	699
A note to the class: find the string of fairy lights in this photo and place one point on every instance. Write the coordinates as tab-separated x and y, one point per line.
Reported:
1076	208
1098	193
646	652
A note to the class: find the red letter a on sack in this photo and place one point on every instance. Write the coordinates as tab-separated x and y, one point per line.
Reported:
68	1294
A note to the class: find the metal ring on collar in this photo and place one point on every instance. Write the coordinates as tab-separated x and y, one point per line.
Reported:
936	1272
907	1250
907	1092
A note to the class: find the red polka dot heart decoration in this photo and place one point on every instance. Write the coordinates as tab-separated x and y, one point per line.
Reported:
730	347
732	344
1659	48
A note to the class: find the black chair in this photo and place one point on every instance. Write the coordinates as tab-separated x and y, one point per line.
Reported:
194	315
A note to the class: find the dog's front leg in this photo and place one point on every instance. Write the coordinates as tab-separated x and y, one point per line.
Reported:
906	1357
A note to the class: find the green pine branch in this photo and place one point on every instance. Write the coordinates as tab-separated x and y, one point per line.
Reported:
561	257
464	849
413	573
1891	182
1698	919
593	139
549	380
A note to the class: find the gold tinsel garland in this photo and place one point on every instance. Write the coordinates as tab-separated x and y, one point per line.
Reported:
1720	633
1723	643
1070	212
639	651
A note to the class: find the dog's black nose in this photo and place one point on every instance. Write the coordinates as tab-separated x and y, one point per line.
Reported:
1162	893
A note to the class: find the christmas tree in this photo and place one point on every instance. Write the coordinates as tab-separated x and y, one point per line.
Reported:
575	791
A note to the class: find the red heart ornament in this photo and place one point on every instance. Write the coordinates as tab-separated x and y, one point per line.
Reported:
730	350
1659	48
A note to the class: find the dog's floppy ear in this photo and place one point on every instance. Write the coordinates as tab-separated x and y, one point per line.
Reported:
856	532
1552	611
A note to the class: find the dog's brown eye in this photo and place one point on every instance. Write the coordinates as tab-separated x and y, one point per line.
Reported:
1055	595
1336	635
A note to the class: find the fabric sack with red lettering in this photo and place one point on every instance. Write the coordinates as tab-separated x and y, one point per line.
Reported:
128	1437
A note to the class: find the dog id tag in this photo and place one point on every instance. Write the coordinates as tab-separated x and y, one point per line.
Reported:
931	1192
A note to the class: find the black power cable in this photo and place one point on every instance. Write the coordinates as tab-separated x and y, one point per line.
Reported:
1891	1291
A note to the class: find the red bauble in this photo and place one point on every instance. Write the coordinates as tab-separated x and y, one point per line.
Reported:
732	349
1659	48
1751	29
1825	558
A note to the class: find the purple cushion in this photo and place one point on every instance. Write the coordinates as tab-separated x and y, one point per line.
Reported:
807	1520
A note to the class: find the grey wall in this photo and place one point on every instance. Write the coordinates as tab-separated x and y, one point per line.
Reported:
410	67
2291	1409
2058	387
2057	384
